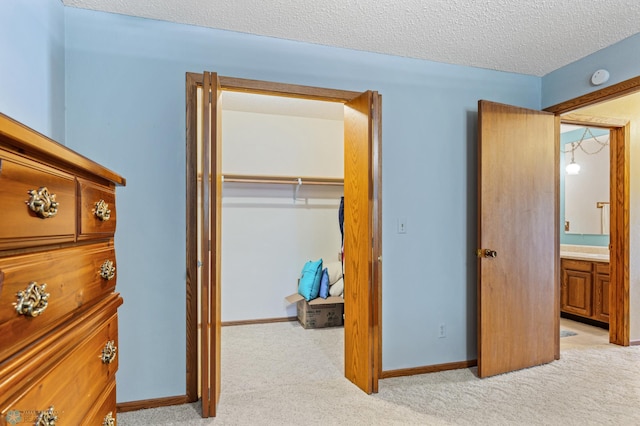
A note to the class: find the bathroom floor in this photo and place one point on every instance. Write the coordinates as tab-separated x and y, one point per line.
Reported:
587	335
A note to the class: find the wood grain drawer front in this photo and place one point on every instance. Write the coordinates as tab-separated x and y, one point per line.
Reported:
97	210
576	265
602	268
75	384
21	227
104	409
72	277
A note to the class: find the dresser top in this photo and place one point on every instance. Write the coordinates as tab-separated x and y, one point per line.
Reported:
24	139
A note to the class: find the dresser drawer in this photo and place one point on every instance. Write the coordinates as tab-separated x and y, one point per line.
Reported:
71	387
72	277
21	226
106	409
97	214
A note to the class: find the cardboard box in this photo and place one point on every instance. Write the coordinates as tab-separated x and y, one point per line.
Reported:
319	312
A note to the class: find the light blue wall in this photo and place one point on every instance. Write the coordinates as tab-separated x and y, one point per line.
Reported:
125	85
32	64
125	109
621	60
579	239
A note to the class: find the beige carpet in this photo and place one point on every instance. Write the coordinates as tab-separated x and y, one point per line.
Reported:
281	374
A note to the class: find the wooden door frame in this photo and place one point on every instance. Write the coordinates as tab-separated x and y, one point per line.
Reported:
619	320
619	216
193	80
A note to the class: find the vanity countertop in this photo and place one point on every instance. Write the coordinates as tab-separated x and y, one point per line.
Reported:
591	253
595	257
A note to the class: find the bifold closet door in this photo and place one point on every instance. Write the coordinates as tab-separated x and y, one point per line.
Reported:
361	244
211	228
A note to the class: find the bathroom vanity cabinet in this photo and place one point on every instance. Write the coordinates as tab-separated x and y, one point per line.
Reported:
585	289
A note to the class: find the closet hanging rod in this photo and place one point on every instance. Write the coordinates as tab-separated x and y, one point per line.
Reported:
290	180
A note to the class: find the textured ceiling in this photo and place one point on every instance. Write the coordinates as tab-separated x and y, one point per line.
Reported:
523	36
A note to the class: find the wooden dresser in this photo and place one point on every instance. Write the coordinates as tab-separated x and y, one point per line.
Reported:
58	320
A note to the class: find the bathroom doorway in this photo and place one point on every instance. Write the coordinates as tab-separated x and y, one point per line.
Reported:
607	109
585	192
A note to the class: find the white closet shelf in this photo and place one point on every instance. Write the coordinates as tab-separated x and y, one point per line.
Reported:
285	180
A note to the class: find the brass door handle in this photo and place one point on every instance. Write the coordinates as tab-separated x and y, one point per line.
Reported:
486	253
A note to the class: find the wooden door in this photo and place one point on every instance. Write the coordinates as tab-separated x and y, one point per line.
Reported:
211	238
361	215
518	292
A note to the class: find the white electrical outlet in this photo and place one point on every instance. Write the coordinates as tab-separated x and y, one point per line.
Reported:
442	331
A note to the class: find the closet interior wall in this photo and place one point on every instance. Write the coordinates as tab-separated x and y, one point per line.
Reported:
270	230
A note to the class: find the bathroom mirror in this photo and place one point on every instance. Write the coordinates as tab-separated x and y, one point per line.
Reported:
586	193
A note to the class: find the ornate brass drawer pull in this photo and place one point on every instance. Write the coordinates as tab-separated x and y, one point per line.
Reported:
102	211
42	202
47	418
109	420
33	300
109	352
107	270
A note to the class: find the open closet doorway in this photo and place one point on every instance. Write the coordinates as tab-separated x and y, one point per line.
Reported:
362	191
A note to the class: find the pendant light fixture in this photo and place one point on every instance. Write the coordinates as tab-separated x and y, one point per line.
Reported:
573	168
